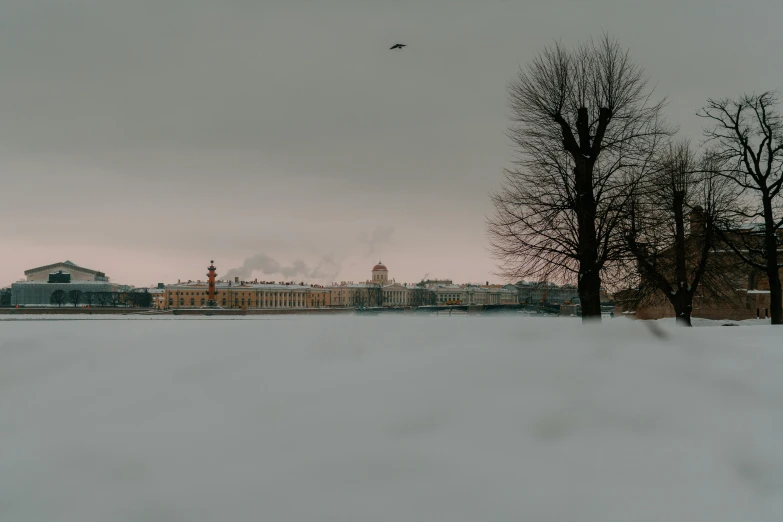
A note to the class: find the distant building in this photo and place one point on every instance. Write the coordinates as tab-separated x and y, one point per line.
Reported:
509	295
547	292
449	293
380	274
77	273
43	281
432	283
747	297
348	294
158	296
379	290
244	295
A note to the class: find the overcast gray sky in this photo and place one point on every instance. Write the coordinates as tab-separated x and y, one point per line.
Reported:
146	137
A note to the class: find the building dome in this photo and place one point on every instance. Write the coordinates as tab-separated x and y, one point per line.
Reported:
379	266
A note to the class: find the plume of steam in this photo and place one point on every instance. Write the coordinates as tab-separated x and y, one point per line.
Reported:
380	236
326	269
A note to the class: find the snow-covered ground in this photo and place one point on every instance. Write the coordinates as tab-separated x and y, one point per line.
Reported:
398	419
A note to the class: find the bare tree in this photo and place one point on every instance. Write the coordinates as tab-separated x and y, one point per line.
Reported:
58	297
748	133
139	298
359	298
116	298
88	298
375	297
103	298
420	296
584	128
675	261
75	297
5	297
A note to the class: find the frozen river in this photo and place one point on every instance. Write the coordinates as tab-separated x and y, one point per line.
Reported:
398	419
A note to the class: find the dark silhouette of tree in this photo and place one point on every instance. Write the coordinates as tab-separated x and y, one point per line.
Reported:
748	134
359	298
144	299
375	297
59	297
103	298
5	297
75	297
584	129
420	296
676	261
138	299
115	298
88	298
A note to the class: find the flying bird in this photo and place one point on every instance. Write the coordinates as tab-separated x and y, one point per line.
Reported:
396	46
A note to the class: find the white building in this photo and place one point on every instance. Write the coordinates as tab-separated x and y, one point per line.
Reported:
77	273
379	290
452	293
41	283
393	294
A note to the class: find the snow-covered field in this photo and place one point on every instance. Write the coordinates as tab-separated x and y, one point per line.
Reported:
398	419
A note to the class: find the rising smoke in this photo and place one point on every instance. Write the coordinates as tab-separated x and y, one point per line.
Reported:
326	269
374	242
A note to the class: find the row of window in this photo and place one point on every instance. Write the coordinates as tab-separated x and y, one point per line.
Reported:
240	302
205	292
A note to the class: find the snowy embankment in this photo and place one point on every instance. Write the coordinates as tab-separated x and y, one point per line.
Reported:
389	419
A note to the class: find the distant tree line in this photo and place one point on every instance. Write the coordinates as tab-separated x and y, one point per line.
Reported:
137	299
420	296
603	189
373	296
5	297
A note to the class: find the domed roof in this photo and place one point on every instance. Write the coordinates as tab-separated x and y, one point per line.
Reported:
379	266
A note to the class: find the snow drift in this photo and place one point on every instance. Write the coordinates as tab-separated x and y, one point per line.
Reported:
389	419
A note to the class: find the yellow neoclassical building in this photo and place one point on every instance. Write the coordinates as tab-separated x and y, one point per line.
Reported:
244	295
378	291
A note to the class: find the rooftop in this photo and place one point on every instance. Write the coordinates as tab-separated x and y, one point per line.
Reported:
61	263
231	284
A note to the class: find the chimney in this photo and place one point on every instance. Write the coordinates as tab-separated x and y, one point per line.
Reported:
236	279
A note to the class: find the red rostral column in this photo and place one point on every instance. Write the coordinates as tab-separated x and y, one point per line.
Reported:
211	275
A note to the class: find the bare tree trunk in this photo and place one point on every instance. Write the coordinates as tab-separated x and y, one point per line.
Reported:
773	270
589	289
683	307
680	273
589	284
683	299
775	297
